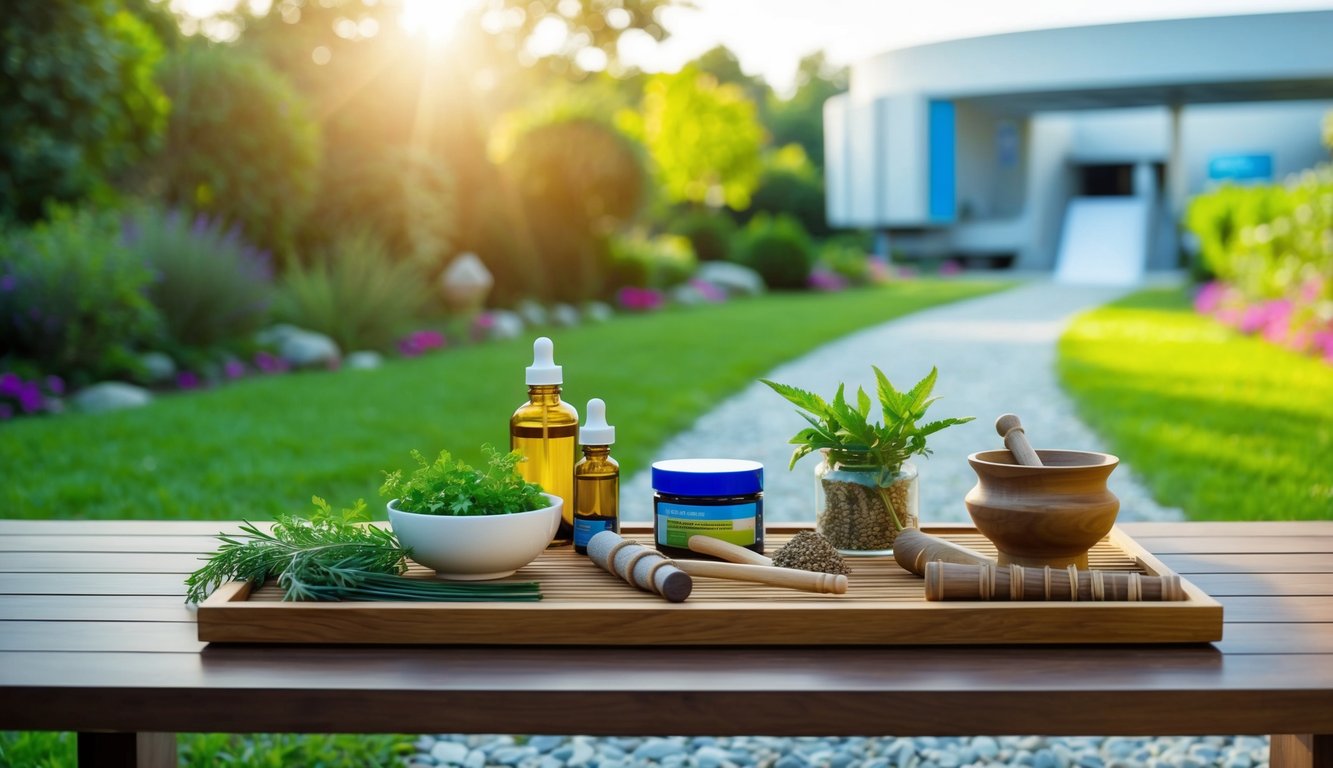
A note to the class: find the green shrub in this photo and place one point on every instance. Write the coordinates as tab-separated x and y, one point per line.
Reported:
711	235
789	184
846	257
354	293
577	182
73	297
658	262
779	250
240	144
405	197
209	285
77	100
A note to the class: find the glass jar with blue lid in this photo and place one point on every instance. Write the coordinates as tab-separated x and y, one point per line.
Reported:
721	498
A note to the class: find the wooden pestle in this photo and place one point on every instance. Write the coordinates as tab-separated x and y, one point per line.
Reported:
913	549
954	581
790	578
725	550
1016	440
641	566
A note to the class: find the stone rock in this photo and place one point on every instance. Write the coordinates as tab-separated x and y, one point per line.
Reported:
1045	758
658	749
305	349
735	279
544	743
687	295
423	744
1091	761
583	752
111	396
598	311
550	762
158	367
790	761
842	760
363	360
512	755
986	748
475	759
449	752
273	335
532	312
565	316
505	324
465	282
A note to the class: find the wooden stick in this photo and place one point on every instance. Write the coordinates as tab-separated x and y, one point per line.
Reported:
913	549
725	550
790	578
1016	440
953	581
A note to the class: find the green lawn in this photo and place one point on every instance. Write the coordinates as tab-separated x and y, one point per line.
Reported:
265	445
1225	426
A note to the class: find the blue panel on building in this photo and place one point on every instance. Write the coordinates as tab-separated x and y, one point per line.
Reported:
943	195
1241	167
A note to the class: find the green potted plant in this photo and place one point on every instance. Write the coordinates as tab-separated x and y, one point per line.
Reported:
471	524
867	487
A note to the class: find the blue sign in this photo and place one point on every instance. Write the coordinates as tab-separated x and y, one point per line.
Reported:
1240	167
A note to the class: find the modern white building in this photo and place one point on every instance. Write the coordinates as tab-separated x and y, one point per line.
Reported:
1074	150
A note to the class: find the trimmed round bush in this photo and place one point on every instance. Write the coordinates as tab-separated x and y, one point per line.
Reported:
73	297
780	251
405	197
241	144
711	235
658	262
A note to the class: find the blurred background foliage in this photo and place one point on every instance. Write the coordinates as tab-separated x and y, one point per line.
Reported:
226	172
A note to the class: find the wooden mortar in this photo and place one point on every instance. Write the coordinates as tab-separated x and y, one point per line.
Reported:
1046	515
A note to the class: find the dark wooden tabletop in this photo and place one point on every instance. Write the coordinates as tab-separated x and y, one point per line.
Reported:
95	636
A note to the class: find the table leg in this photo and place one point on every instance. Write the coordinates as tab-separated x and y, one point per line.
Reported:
127	750
1302	750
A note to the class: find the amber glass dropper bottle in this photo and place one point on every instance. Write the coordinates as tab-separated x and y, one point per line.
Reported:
543	430
596	479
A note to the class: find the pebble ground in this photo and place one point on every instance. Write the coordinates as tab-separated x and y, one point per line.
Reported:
995	354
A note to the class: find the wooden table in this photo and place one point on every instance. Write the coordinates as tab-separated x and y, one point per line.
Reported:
95	638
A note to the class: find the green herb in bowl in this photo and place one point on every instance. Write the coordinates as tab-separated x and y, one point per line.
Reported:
449	487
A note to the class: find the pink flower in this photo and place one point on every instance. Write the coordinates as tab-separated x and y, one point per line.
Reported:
708	291
826	280
1209	298
950	267
420	342
639	299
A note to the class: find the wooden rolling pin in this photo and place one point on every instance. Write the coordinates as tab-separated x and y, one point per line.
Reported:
641	566
1016	440
953	581
913	549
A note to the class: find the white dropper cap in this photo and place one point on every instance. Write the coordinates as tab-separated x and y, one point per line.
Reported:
596	431
543	369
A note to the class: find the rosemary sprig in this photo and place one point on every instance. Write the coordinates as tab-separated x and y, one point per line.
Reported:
333	556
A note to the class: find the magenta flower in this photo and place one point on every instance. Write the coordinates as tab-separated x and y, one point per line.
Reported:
826	280
187	380
30	397
10	385
269	363
233	369
638	299
55	385
1210	297
708	291
421	342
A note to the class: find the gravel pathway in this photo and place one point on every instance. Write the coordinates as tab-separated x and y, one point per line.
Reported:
995	354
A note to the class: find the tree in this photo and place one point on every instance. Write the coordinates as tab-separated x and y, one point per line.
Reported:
77	100
703	137
800	119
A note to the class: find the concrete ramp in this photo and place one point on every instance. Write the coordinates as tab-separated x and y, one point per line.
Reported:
1104	242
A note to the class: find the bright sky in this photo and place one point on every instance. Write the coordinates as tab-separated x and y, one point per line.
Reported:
770	36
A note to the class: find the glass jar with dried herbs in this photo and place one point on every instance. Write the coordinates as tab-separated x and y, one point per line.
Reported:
866	488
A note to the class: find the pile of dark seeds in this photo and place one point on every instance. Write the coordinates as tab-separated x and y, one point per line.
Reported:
808	551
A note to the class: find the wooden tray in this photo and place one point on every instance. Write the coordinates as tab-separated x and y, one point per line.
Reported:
582	604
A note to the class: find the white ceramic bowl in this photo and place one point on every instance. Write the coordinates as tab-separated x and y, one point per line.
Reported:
474	548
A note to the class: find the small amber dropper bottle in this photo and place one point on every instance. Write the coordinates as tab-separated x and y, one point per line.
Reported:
596	479
543	430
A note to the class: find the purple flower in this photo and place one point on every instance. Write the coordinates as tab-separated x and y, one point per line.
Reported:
55	385
8	283
10	384
268	363
420	342
30	397
709	291
826	280
233	369
951	267
187	380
